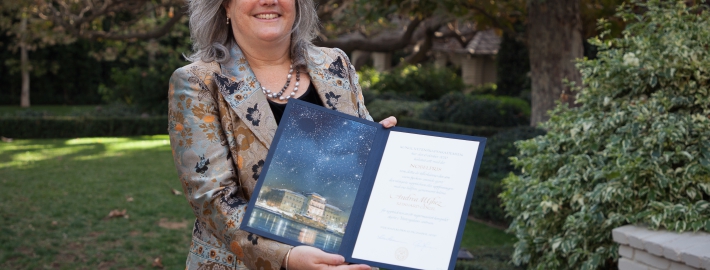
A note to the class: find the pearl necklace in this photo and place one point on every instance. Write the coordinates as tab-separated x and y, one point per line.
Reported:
280	95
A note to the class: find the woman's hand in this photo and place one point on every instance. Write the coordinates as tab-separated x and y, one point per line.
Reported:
389	122
310	258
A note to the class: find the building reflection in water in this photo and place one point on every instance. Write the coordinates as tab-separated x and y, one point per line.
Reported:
289	229
307	236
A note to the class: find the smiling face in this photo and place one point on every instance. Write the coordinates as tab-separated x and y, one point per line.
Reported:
259	21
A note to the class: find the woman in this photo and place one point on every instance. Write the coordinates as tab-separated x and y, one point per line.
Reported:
251	57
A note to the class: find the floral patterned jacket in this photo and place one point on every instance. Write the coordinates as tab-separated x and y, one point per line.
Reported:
221	128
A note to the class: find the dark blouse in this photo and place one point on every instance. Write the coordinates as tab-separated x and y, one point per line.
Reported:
311	95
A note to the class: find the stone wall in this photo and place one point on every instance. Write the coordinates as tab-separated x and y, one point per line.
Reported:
641	248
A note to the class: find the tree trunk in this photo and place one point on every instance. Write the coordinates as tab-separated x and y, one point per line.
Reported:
24	65
554	41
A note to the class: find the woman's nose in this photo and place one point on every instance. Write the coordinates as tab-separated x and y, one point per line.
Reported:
268	2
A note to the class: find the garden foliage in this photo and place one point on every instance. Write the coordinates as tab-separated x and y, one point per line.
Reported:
496	165
413	82
636	151
73	127
478	110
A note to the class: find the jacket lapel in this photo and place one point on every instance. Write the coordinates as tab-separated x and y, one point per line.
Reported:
329	74
239	87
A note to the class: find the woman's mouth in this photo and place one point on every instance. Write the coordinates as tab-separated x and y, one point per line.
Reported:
268	16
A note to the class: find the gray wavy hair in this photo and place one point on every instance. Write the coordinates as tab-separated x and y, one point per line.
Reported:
211	35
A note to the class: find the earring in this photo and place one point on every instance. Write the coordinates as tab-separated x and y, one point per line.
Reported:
227	20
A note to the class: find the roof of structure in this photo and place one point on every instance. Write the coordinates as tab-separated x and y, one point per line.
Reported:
485	42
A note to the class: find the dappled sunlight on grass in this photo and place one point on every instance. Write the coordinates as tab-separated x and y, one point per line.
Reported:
22	153
57	194
106	140
138	145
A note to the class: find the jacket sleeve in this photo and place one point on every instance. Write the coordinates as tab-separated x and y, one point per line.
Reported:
355	87
208	173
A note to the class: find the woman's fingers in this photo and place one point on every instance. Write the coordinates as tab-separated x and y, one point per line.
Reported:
306	257
350	267
329	259
389	122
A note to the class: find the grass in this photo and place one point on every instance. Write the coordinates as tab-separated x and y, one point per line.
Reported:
52	109
481	235
56	195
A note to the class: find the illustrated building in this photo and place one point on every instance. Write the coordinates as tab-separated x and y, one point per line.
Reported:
287	200
333	216
314	206
292	202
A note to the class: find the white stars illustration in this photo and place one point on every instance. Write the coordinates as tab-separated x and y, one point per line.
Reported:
322	153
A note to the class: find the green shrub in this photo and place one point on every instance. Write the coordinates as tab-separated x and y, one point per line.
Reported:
478	110
412	82
485	204
380	108
496	165
449	127
500	148
143	88
72	127
636	151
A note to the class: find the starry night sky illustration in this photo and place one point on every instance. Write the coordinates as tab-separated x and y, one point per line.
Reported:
322	153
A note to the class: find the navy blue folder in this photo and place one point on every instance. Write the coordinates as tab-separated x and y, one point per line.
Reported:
317	179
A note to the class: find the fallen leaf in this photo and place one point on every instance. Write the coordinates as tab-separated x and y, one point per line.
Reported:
158	263
164	223
175	192
129	199
5	139
117	213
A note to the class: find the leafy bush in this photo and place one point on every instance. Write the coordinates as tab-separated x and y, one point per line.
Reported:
111	111
500	148
496	165
143	88
380	108
485	204
636	151
478	110
412	82
482	131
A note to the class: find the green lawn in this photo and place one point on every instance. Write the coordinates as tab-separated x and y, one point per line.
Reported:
52	109
56	195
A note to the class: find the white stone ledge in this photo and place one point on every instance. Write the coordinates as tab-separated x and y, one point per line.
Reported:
641	248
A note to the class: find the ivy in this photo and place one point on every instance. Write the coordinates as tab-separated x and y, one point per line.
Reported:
637	150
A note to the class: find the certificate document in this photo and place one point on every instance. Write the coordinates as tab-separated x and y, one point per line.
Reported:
393	198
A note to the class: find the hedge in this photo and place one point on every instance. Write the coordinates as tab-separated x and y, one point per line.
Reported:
449	127
71	127
478	110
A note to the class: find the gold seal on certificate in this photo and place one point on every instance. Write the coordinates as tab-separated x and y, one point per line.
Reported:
393	198
401	254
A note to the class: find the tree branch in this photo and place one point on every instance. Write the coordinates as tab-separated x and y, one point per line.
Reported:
377	44
423	47
155	33
77	24
507	28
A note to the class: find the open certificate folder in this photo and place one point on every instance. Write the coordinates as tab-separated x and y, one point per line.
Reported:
393	198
